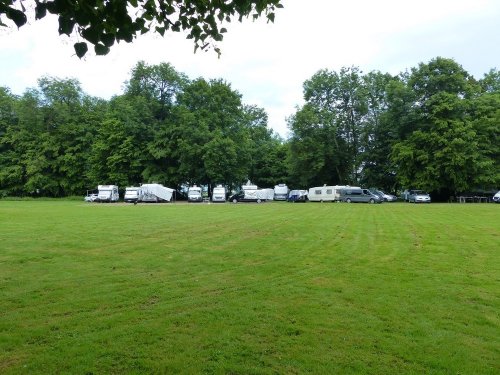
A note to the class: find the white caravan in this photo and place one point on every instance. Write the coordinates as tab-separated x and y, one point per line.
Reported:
326	193
132	194
107	193
155	193
281	192
194	194
219	194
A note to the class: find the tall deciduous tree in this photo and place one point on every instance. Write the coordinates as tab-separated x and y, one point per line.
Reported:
158	84
441	148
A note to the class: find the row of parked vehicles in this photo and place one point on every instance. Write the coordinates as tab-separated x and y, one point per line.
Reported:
248	193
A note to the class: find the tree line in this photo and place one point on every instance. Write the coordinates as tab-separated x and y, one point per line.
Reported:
433	127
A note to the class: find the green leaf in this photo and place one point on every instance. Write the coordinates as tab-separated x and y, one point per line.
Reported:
101	50
66	25
91	34
17	16
80	49
40	10
108	39
160	30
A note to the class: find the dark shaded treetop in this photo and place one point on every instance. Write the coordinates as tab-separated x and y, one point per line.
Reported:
104	22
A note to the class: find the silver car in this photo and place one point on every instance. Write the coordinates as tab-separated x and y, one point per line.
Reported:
418	196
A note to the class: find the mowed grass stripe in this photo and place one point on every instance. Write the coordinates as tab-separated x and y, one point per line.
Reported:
249	288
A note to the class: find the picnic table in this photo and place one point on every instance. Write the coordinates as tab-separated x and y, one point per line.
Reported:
473	199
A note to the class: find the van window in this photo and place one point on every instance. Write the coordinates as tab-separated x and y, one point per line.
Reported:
356	192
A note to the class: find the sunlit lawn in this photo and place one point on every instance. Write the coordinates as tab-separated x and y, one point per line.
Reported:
249	288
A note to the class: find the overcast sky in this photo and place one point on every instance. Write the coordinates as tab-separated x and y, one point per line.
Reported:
268	63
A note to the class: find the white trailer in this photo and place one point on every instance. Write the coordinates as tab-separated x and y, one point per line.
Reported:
194	194
219	194
156	193
281	192
133	194
107	193
326	193
265	194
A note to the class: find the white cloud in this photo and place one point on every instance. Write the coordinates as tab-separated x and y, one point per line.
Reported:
268	63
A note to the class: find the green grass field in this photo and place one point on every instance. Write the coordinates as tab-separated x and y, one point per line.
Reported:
270	288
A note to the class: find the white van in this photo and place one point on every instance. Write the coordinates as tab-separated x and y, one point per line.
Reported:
194	194
326	193
132	194
281	192
107	193
219	194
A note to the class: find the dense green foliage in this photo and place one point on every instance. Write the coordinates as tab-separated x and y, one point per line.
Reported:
102	23
250	289
434	128
165	128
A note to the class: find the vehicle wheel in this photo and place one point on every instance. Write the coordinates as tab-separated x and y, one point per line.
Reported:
258	201
235	200
348	200
372	200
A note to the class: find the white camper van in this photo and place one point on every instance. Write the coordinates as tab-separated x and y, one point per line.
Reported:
281	192
132	194
219	194
107	193
194	194
326	193
248	193
155	193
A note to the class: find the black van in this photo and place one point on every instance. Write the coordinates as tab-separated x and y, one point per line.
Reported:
359	195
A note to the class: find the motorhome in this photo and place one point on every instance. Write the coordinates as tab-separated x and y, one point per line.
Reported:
155	193
281	192
194	194
132	194
326	193
107	193
219	194
248	193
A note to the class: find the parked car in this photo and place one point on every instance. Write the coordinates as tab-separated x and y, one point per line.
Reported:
496	197
245	196
385	197
418	196
90	198
359	195
297	196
